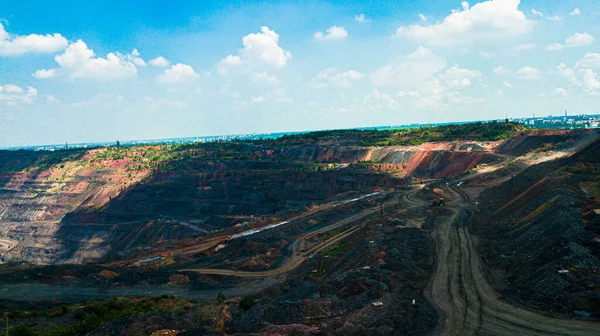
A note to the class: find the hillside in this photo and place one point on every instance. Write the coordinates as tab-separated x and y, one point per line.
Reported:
492	131
543	221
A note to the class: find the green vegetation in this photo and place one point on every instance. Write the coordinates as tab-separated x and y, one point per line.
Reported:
90	315
491	131
338	250
247	302
221	297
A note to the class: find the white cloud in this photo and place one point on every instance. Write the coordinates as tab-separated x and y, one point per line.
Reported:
507	84
44	74
259	49
456	77
11	94
583	75
420	77
554	47
576	12
360	18
580	40
555	17
277	96
135	58
482	22
589	60
574	41
178	73
528	73
500	70
264	78
12	45
159	62
80	62
331	77
422	17
537	13
559	92
161	103
410	71
333	33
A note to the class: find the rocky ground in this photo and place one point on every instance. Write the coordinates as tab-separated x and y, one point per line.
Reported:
539	233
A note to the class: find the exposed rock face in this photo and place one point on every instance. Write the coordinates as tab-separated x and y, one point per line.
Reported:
538	229
83	206
108	274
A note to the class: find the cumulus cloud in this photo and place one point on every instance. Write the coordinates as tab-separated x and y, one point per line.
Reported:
481	22
554	47
78	61
159	62
135	58
528	73
409	71
13	45
260	49
332	77
584	74
580	40
576	12
507	84
455	77
333	33
422	76
559	92
422	18
574	41
264	77
11	94
44	74
360	18
178	73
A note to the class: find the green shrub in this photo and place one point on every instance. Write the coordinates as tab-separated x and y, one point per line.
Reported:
247	302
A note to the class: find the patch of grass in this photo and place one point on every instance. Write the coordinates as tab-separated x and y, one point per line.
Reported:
336	251
91	315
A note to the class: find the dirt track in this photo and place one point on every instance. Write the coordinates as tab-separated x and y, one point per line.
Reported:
467	303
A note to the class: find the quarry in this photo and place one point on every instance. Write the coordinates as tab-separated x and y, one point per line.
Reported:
462	230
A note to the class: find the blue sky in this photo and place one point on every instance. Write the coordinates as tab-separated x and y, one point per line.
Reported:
82	71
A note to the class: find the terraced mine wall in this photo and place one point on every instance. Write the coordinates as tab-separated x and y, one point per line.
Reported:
428	160
540	234
79	206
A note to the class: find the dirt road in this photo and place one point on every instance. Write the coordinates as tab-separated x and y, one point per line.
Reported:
216	240
467	303
298	257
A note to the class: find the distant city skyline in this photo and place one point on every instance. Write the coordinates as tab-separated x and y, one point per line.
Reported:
554	122
73	71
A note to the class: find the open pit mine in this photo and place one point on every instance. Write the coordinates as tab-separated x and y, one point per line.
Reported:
490	229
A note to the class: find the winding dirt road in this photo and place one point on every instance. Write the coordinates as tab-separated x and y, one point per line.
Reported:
467	303
298	256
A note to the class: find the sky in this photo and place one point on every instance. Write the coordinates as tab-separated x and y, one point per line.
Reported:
85	71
